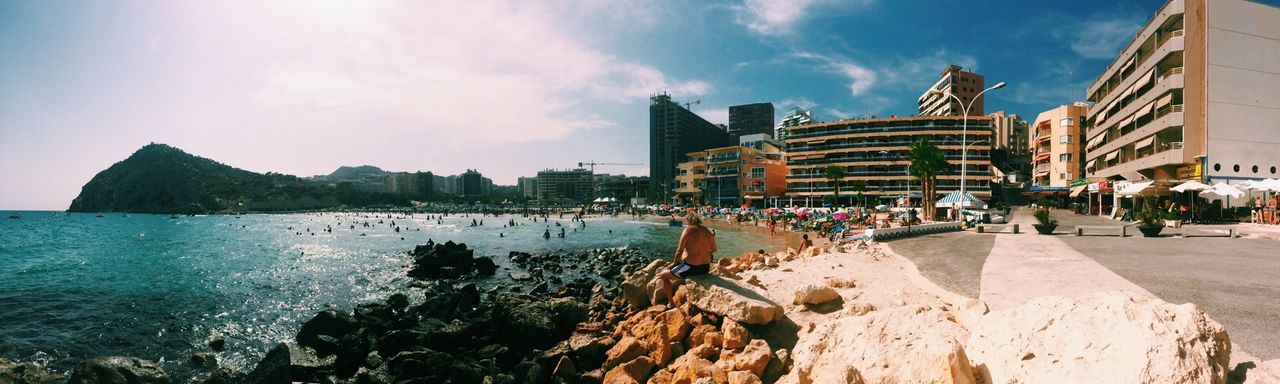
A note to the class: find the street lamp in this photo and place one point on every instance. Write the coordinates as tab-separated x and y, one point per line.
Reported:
964	130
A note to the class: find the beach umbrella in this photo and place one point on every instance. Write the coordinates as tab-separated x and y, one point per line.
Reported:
1191	186
840	216
882	207
1227	191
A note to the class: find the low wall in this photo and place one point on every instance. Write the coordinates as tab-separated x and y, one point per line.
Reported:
880	234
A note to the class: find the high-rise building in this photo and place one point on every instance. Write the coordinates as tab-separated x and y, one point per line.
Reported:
626	189
1194	96
528	187
421	184
471	184
1056	151
565	186
876	151
796	116
955	80
674	131
1010	133
749	119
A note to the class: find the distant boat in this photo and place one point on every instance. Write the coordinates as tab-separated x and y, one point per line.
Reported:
15	215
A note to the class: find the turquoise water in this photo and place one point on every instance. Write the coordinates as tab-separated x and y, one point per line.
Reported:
78	286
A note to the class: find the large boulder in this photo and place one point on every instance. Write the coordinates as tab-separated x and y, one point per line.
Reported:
636	289
13	372
1105	337
118	370
815	294
901	345
446	260
287	363
326	323
740	303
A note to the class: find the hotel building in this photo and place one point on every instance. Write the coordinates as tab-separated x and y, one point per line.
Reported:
955	80
796	116
1056	152
1194	95
876	151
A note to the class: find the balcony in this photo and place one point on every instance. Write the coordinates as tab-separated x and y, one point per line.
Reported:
1168	46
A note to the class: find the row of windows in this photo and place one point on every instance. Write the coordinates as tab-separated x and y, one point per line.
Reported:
1236	168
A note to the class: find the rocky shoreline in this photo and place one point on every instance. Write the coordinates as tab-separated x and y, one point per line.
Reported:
852	313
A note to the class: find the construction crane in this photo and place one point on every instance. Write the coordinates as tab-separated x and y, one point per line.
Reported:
692	103
593	165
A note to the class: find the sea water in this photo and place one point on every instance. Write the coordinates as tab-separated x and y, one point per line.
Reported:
155	287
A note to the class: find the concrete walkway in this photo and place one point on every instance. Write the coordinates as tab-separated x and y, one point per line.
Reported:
1026	266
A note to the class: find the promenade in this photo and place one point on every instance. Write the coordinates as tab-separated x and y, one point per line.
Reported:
1233	280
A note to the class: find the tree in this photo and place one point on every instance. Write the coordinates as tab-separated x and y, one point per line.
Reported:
859	186
926	163
834	173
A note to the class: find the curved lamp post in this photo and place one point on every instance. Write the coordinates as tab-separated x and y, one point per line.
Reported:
965	126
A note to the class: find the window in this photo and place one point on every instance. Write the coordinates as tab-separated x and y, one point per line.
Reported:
1217	166
1235	168
1273	170
1064	139
1064	157
1255	169
757	172
1065	122
1065	175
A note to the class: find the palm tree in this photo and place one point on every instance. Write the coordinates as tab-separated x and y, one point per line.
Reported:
859	186
926	163
834	173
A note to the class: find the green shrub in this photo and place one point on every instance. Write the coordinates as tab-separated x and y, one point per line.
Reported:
1042	216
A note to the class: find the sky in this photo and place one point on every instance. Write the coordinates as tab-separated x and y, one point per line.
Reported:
505	87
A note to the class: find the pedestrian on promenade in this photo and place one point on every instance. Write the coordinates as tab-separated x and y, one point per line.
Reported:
693	255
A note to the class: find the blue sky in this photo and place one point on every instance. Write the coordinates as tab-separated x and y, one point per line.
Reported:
507	87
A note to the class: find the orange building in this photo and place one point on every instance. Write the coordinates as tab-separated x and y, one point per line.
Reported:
731	176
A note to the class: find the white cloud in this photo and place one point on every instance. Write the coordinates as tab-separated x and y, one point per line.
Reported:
802	102
860	78
779	17
1103	38
916	73
714	115
426	70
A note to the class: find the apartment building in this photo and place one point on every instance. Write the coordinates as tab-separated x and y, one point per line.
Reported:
955	80
732	176
1194	95
876	151
1055	148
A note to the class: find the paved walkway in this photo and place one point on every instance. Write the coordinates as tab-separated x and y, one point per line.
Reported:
1022	267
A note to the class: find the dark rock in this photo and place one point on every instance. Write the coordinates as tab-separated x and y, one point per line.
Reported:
224	376
287	363
326	323
485	266
422	364
12	372
468	297
118	370
446	260
398	301
539	289
202	358
326	345
218	343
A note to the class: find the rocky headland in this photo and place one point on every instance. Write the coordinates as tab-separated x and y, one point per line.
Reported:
837	314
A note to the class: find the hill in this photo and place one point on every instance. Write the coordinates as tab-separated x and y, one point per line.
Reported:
350	173
162	179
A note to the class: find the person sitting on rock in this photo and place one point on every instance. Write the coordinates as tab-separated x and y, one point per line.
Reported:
693	255
806	243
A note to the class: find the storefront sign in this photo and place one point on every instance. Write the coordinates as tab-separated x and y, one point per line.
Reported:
1078	183
1189	172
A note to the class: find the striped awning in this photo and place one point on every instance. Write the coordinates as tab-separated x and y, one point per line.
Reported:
1112	155
1090	164
1097	140
1164	100
1145	109
1075	191
1144	142
1146	78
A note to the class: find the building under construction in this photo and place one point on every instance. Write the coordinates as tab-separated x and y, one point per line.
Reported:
674	131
